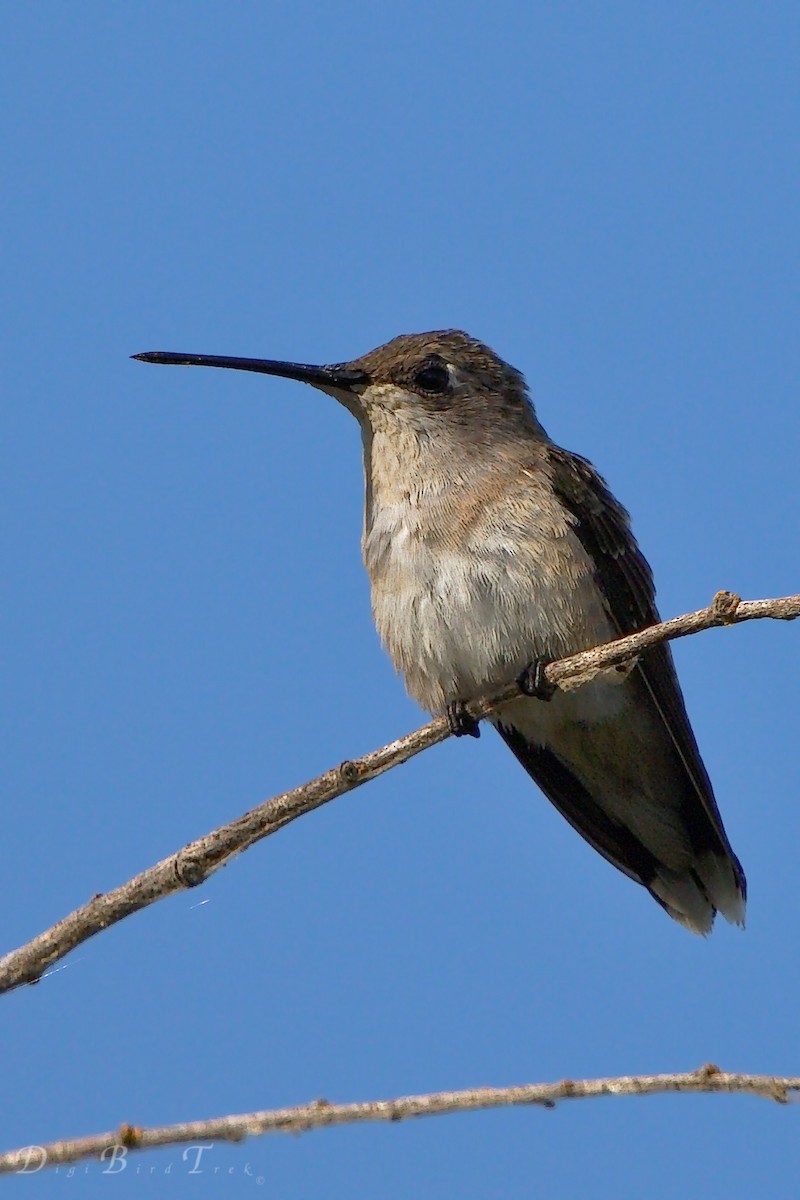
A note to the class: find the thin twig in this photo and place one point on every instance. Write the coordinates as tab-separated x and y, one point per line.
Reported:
114	1145
194	863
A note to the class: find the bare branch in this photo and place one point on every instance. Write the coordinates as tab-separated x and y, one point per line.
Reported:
320	1113
194	863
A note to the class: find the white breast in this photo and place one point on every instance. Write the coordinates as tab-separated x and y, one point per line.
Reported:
460	612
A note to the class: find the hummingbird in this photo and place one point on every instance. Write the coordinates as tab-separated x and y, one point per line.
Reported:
491	551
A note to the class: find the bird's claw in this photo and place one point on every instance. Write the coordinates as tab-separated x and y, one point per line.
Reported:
461	721
533	681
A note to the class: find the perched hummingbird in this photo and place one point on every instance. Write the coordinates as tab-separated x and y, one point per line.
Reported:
491	551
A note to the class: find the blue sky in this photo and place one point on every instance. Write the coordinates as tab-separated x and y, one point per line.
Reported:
607	194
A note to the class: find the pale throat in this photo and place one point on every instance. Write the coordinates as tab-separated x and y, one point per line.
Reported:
412	459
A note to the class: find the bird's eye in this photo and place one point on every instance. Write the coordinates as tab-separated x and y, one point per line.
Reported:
433	377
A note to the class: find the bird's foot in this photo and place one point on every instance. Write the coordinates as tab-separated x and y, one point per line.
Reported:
533	681
460	721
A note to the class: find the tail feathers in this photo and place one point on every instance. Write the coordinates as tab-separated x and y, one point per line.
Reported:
693	897
691	893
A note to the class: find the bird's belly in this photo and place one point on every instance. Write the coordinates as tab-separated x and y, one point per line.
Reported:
457	622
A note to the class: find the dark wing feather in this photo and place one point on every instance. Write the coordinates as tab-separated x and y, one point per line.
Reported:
624	576
565	791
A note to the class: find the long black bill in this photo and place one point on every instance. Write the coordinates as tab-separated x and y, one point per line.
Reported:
340	376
